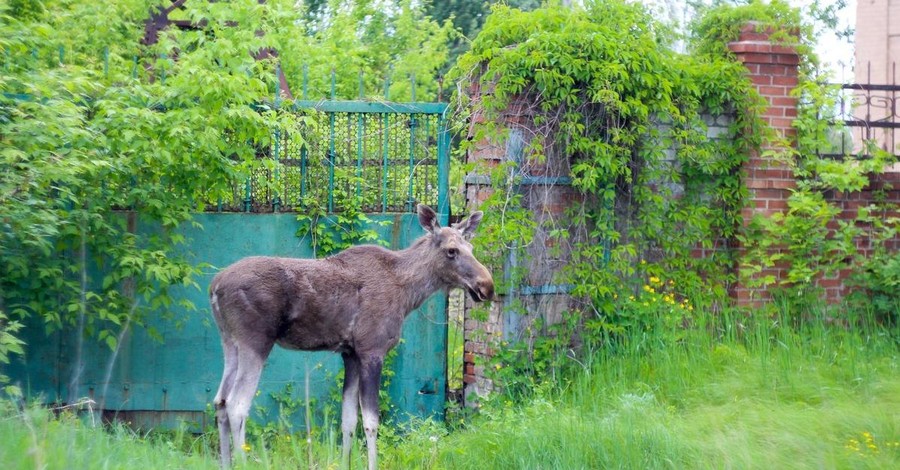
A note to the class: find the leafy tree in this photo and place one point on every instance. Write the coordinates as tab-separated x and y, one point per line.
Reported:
105	157
468	17
383	41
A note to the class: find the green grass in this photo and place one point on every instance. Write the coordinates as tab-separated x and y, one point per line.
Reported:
785	401
737	394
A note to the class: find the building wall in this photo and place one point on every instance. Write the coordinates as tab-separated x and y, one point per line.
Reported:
877	40
877	57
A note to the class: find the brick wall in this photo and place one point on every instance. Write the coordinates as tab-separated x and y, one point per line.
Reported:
773	69
886	187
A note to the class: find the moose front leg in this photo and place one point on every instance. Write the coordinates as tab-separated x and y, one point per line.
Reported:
370	383
349	407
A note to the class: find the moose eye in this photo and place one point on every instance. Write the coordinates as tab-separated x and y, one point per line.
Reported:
451	252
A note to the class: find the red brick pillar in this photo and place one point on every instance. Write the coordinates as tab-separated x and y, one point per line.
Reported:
773	69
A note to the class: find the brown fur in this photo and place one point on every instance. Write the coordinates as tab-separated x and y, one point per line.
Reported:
353	303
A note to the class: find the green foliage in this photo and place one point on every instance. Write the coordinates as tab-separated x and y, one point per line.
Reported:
633	123
878	283
106	158
801	236
816	238
330	233
9	344
467	17
720	23
392	41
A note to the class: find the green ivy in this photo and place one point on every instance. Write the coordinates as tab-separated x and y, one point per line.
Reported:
609	95
330	233
629	114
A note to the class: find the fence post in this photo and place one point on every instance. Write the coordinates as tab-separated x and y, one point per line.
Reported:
304	152
773	69
386	129
331	153
443	165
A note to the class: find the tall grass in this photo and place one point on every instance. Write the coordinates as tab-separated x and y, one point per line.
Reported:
34	438
731	391
734	391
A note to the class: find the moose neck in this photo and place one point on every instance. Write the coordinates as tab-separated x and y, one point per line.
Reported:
418	273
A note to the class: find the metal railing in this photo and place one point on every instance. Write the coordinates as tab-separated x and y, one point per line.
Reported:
385	157
869	119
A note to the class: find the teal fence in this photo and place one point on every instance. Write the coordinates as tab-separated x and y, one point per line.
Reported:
173	377
393	156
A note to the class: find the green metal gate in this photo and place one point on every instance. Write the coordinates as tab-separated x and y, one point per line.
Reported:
394	156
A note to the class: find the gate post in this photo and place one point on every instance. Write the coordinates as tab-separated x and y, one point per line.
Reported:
545	186
773	69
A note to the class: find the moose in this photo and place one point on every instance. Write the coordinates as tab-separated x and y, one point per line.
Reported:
353	303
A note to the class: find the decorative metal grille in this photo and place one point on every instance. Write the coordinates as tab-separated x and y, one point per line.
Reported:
870	117
388	157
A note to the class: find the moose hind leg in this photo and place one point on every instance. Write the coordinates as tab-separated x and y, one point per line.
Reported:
349	407
370	382
231	360
239	399
224	435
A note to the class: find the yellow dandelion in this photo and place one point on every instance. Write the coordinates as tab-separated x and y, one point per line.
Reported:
246	447
654	280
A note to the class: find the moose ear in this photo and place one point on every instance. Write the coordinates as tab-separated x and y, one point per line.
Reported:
428	219
468	226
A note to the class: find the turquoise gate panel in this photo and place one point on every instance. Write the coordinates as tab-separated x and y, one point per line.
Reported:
177	377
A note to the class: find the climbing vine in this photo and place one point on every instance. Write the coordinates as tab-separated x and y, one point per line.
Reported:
605	92
328	233
654	142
